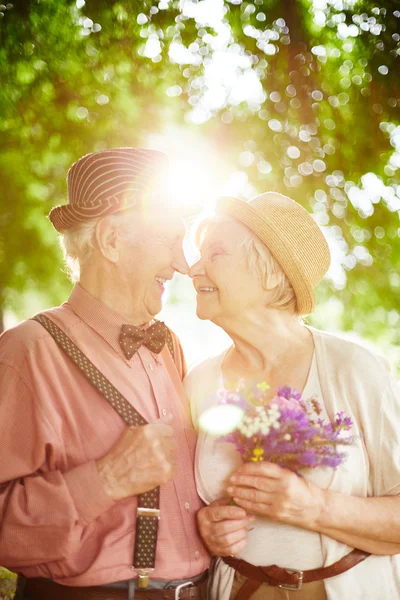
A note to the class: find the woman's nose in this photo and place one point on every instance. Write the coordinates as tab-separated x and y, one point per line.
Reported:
196	269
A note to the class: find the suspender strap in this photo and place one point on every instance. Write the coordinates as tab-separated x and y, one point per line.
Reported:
148	503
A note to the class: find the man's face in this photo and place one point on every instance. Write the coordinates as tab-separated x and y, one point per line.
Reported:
149	254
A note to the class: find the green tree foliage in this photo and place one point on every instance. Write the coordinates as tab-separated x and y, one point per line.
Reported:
7	584
69	85
308	105
323	128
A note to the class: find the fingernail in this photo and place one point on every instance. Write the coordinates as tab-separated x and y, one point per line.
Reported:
230	490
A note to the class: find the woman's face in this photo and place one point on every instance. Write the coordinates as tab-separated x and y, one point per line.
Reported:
224	284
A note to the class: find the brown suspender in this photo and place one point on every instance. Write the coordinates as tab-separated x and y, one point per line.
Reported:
148	512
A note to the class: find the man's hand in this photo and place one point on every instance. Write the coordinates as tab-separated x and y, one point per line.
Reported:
223	528
142	459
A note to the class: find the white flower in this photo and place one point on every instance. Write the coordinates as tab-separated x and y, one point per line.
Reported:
264	429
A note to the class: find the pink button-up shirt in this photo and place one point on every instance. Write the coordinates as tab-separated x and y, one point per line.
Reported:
56	521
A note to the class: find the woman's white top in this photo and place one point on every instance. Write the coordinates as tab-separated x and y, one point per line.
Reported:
345	377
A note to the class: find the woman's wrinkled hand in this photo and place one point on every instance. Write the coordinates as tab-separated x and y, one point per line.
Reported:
223	527
279	494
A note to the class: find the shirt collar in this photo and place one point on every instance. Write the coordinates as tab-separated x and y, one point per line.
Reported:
100	317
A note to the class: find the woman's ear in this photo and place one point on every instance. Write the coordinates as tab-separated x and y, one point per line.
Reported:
107	240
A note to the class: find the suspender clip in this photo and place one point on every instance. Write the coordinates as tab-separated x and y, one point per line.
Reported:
148	512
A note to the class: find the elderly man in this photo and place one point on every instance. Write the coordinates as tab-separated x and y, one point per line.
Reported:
97	493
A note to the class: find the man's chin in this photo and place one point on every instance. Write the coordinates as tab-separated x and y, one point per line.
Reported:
155	313
153	309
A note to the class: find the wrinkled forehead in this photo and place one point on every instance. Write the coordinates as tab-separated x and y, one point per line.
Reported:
172	224
156	224
220	230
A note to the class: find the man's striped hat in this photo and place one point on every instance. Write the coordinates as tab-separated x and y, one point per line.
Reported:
108	181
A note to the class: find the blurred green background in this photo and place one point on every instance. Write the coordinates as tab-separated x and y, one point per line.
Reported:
296	96
300	96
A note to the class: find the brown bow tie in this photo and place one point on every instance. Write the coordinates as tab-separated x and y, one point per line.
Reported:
131	338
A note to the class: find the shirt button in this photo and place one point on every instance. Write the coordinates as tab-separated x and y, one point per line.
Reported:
164	412
187	505
196	554
151	367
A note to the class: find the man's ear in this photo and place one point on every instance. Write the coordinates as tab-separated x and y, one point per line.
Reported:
107	240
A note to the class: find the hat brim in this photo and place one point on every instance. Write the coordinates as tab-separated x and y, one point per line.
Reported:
263	229
66	216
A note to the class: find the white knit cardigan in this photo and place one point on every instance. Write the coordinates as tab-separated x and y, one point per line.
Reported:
358	382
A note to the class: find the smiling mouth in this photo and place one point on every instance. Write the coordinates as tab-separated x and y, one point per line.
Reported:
207	290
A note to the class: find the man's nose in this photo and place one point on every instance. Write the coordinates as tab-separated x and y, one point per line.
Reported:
196	269
180	263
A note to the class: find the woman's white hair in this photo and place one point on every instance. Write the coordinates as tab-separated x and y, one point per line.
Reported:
261	262
272	277
78	243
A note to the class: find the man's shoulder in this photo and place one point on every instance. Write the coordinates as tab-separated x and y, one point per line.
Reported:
18	341
174	335
176	352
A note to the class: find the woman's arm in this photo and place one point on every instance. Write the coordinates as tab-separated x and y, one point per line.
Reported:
371	524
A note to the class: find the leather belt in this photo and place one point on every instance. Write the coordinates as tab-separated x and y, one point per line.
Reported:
292	579
45	589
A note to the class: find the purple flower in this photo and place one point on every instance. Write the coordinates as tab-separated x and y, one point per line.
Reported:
288	428
288	393
308	459
342	421
333	460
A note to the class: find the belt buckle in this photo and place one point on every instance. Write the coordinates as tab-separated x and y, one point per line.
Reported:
295	586
181	586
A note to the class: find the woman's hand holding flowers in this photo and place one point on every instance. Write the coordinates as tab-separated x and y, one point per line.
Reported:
277	439
265	489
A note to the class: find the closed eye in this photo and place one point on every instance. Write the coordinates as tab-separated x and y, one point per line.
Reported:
216	253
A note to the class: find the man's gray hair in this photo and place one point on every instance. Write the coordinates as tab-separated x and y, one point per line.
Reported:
78	243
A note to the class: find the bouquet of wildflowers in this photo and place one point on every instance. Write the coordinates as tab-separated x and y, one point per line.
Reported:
286	430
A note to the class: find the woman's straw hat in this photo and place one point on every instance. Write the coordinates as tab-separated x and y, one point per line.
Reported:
292	236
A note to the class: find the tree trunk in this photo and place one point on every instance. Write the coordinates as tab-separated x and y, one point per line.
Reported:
299	47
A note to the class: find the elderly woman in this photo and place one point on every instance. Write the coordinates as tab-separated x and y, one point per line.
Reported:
330	533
